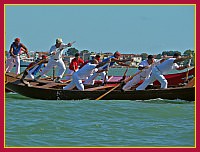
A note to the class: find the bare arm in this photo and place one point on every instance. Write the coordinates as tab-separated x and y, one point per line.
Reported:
182	59
11	51
121	62
25	50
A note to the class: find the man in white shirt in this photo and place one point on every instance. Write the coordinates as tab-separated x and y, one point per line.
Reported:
114	59
146	66
83	73
159	70
56	59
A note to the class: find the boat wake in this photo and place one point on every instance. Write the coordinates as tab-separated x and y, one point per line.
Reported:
165	101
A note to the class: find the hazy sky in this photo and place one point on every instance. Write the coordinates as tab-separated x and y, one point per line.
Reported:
128	29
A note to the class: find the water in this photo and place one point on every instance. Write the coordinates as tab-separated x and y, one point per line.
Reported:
87	123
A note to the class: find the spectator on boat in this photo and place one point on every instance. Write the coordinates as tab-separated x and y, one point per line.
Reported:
84	72
146	66
56	59
14	58
34	67
114	59
74	66
159	70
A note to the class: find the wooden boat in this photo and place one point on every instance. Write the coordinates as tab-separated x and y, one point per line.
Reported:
49	90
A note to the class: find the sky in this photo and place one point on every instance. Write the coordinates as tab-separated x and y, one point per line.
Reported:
103	28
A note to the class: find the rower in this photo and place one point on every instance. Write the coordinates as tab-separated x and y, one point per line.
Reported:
159	70
36	67
114	59
84	72
146	66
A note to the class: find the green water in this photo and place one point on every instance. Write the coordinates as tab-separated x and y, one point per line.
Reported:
42	123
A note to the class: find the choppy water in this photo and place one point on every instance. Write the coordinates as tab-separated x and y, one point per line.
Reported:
42	123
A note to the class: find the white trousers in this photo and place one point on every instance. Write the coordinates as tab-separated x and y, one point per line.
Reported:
76	81
156	75
69	74
51	63
91	79
136	79
11	61
30	75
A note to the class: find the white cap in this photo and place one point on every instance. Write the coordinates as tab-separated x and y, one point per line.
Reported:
141	66
59	40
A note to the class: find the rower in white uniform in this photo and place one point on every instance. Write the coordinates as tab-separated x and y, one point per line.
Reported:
83	73
146	66
163	68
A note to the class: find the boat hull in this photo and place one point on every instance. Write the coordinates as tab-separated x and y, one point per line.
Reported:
48	90
58	94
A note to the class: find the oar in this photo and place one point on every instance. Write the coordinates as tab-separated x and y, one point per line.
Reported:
27	69
31	67
106	72
187	73
108	92
124	76
131	77
53	74
117	86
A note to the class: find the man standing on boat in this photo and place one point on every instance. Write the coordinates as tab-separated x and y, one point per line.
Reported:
159	70
14	58
56	60
146	66
114	59
83	73
74	66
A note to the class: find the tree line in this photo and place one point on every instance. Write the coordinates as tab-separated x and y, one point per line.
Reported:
73	51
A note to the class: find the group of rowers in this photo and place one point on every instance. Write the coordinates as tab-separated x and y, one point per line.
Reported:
149	70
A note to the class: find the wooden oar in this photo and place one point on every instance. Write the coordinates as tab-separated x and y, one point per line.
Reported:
131	77
27	69
124	76
68	81
187	73
106	73
108	92
31	67
117	86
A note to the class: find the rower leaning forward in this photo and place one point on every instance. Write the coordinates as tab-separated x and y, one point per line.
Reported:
114	59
